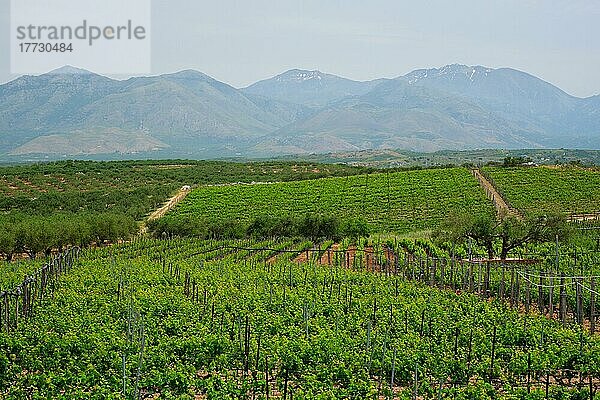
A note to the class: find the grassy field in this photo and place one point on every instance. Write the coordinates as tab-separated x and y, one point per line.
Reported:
399	201
544	189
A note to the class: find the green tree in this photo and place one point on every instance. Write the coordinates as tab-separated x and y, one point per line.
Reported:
36	235
507	233
514	233
8	239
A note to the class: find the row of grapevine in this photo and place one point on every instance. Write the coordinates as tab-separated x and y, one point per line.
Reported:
397	201
185	318
19	303
570	190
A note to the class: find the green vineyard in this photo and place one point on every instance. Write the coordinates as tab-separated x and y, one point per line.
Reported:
570	190
218	320
419	306
400	201
133	187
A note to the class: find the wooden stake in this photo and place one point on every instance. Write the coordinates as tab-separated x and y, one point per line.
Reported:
563	300
593	305
541	294
579	301
493	354
551	298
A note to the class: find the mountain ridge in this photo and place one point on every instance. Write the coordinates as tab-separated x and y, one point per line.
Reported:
191	114
69	69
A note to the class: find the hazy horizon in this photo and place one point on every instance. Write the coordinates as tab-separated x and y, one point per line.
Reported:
240	43
121	77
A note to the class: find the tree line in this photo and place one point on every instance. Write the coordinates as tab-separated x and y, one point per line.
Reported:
34	235
312	226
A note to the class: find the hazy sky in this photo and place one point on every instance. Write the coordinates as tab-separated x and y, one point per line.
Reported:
242	41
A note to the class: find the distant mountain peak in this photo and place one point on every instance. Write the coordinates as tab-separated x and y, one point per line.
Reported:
70	70
311	88
300	75
462	68
451	71
188	74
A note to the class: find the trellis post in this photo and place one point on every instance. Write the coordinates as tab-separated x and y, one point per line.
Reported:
593	305
563	300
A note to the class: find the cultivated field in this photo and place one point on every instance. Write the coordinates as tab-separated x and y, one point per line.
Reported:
570	190
400	201
410	309
194	319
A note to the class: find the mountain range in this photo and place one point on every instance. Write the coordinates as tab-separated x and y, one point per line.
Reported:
73	112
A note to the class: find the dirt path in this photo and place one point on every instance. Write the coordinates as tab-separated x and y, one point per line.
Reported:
502	207
159	213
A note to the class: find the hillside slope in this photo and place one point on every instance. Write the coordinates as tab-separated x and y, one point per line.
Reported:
191	115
